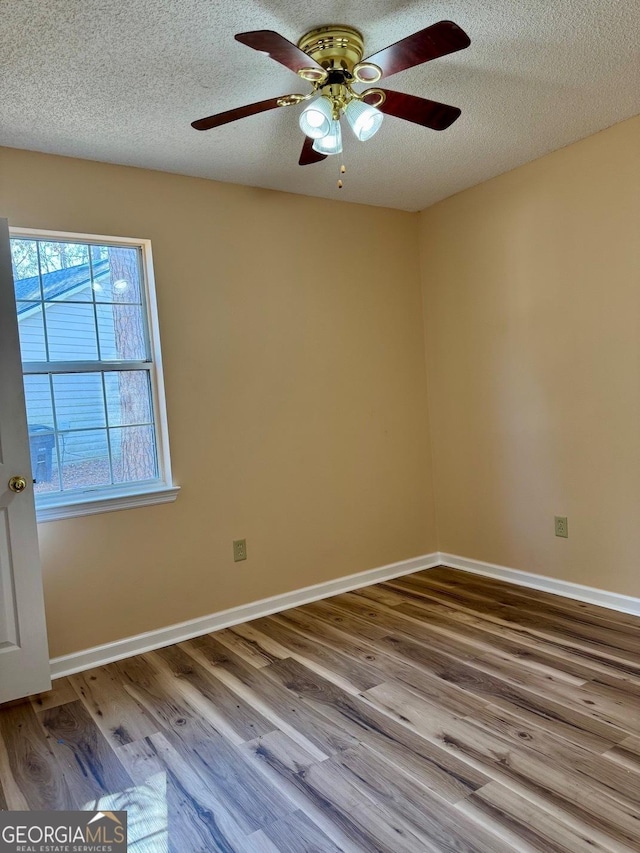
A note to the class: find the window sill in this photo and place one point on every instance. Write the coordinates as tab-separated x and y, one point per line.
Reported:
111	503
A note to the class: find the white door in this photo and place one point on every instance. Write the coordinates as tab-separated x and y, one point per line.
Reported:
24	656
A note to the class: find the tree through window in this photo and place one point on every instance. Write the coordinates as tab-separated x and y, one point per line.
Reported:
89	371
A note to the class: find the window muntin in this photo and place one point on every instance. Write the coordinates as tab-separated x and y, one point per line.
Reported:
91	366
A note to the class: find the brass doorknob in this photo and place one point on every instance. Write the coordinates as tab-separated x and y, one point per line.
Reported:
17	484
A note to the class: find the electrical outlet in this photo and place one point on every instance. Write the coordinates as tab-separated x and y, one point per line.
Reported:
239	550
562	529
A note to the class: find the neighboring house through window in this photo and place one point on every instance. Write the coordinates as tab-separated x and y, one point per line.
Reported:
92	372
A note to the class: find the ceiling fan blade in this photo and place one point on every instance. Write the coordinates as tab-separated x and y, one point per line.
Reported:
234	115
308	155
434	41
418	110
278	48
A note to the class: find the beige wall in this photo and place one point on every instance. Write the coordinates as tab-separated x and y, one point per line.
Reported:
297	389
532	309
296	396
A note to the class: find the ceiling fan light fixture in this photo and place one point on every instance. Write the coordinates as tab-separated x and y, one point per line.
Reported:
330	58
332	142
316	118
364	120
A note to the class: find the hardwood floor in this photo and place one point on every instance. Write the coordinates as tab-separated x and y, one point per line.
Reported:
438	712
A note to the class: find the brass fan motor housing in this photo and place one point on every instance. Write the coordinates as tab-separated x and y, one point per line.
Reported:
334	46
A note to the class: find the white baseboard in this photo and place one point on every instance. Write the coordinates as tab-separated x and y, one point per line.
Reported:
577	591
150	640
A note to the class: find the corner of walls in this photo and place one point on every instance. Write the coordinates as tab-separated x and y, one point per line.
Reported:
427	370
529	284
296	404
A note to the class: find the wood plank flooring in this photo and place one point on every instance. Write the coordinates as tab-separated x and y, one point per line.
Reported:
437	713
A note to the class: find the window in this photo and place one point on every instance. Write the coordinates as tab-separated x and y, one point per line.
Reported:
92	372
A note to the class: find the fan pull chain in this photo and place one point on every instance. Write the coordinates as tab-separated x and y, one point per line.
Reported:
343	169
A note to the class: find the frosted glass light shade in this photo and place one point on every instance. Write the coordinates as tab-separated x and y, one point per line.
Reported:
364	119
332	142
316	118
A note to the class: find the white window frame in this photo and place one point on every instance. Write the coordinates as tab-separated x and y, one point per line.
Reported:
109	498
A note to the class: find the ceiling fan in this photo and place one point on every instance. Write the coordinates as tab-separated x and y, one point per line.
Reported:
330	59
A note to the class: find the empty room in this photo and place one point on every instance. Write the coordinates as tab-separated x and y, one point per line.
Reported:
319	427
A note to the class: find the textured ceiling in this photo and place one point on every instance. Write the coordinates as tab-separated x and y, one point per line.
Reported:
121	81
